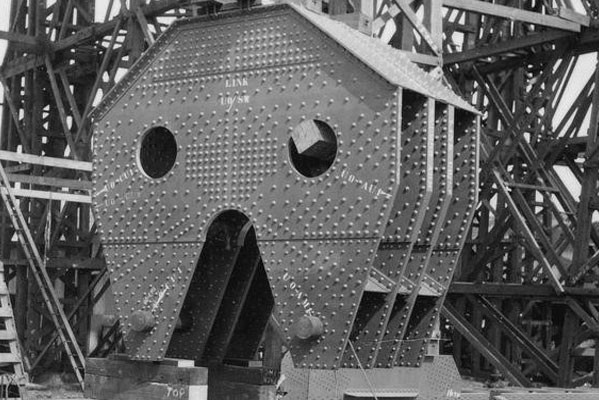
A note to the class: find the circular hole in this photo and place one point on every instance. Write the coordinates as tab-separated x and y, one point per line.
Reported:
312	148
158	152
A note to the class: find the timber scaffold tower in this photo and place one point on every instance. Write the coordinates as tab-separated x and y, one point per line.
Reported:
525	302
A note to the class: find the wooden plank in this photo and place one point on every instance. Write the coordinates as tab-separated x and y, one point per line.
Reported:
505	46
249	375
481	344
513	14
220	390
417	24
26	42
580	258
591	322
566	361
518	290
531	187
571	15
76	263
60	262
103	68
61	196
46	161
147	371
51	181
14	111
21	65
70	97
75	307
60	105
17	168
44	282
550	270
124	379
9	358
433	20
143	23
113	388
543	360
88	34
5	312
6	335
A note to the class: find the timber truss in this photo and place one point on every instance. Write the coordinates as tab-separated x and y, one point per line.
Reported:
527	297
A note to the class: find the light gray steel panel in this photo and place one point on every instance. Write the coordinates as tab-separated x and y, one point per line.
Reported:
152	278
445	255
324	279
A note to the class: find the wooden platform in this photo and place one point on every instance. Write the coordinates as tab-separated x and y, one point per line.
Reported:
121	379
118	378
228	382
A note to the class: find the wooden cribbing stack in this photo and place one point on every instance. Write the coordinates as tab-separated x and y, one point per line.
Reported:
12	373
119	378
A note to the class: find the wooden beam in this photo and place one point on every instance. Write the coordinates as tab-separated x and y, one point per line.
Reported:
46	161
103	66
61	196
552	273
588	191
71	99
419	26
506	46
585	267
21	65
486	349
143	23
591	322
510	290
89	34
512	331
61	262
26	43
503	289
566	360
103	29
60	105
513	14
51	181
571	15
14	111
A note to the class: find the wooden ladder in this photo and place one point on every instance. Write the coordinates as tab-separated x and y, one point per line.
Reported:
12	373
38	269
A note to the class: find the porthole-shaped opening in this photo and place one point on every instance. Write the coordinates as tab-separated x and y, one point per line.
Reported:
312	148
157	152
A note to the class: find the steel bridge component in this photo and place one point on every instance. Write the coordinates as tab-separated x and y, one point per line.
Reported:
407	215
285	121
438	378
445	253
416	288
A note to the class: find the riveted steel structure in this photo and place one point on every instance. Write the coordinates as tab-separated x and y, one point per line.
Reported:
525	297
232	103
